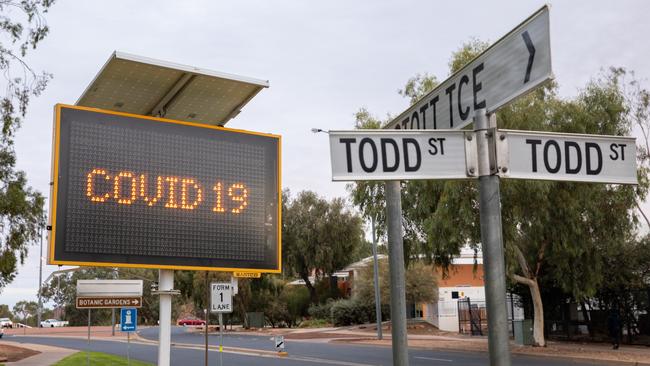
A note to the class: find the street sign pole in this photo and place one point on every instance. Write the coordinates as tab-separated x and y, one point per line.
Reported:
397	282
376	279
220	339
88	349
166	284
128	348
207	316
492	242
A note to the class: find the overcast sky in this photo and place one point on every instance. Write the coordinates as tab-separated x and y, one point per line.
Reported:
324	60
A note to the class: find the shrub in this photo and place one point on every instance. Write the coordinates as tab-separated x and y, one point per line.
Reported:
315	323
321	311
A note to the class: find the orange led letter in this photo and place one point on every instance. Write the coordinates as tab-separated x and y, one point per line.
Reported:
241	197
219	206
186	184
117	188
144	190
89	186
171	199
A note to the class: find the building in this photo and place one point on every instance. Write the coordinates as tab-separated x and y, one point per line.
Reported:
461	295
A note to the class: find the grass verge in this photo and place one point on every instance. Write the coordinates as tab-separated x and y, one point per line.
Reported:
98	359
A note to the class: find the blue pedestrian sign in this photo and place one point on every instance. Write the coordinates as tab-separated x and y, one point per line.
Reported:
128	319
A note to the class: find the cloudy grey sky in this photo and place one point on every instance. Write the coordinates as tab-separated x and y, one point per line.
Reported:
324	60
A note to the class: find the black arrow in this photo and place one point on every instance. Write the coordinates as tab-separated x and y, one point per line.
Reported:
531	56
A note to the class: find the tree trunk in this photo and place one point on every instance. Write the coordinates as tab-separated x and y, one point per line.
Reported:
538	320
334	287
538	308
312	290
586	315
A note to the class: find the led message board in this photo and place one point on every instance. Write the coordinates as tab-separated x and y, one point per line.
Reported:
134	191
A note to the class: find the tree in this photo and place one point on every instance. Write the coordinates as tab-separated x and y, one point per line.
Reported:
22	27
318	237
555	232
25	309
421	283
5	312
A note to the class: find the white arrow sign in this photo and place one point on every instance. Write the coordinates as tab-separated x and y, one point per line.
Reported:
512	66
566	157
402	155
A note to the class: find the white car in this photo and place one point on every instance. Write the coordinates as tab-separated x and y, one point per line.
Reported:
6	323
51	323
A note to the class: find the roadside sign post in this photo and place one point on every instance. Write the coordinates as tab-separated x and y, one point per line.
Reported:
221	302
108	294
279	343
376	280
128	324
514	65
88	350
396	264
492	243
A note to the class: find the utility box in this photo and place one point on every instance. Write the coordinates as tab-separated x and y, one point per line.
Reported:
524	332
255	319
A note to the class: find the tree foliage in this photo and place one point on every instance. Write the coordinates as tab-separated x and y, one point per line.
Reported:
421	283
22	27
318	237
556	233
25	309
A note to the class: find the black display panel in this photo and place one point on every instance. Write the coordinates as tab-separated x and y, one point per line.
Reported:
149	192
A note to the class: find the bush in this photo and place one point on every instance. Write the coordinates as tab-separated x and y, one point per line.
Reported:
297	300
355	311
315	323
321	311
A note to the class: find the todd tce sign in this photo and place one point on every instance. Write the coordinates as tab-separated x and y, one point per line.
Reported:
133	191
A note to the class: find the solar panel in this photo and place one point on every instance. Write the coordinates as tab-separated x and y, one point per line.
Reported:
145	86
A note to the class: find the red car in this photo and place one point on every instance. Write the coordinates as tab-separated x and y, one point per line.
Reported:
191	321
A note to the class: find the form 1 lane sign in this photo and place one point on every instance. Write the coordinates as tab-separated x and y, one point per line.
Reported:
512	66
397	155
567	157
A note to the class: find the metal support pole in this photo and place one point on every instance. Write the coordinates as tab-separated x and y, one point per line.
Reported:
207	314
88	349
128	348
113	322
397	277
220	339
165	283
376	275
40	281
492	246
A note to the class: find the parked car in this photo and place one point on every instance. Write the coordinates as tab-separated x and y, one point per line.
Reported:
191	321
6	323
51	323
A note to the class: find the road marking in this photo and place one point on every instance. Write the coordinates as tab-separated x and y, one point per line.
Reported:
433	359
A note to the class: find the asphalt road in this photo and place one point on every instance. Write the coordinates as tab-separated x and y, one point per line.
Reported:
312	352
